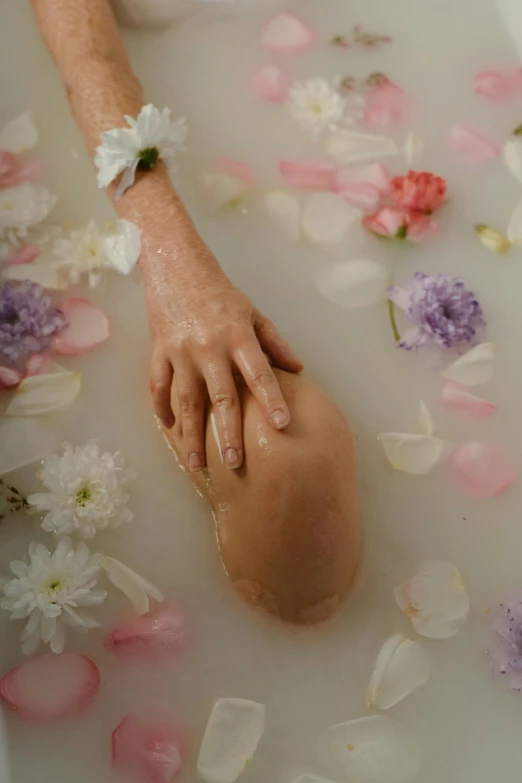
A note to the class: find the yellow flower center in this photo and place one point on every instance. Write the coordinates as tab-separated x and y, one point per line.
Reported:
83	495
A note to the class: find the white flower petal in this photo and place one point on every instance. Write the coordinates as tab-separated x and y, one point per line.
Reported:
514	229
136	588
285	210
474	368
512	154
19	135
37	272
24	205
355	147
327	219
123	246
425	420
412	453
41	394
356	283
376	749
222	189
435	600
231	737
413	148
401	668
23	441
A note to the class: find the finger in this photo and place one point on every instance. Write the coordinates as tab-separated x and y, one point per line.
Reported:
262	383
161	374
274	346
227	411
191	400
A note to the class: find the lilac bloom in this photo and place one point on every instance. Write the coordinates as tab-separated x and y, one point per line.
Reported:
440	308
28	319
506	648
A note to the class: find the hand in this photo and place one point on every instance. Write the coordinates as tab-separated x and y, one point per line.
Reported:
202	337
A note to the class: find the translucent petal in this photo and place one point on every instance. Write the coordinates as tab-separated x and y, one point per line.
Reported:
371	173
237	169
413	148
25	205
355	147
514	229
156	636
232	735
39	272
88	327
327	219
474	368
147	751
512	154
356	283
123	246
271	84
425	420
416	454
41	394
401	668
136	588
222	189
24	441
315	176
376	749
285	210
19	135
458	397
285	32
472	146
435	599
482	470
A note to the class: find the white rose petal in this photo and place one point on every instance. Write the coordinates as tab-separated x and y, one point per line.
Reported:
233	732
435	600
327	219
413	148
222	189
514	229
356	283
425	420
122	247
376	749
285	210
412	453
137	589
354	147
512	154
19	135
23	441
41	394
401	668
25	205
474	368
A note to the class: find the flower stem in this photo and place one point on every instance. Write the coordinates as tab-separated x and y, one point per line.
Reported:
393	322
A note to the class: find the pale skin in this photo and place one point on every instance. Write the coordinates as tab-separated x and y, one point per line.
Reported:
204	329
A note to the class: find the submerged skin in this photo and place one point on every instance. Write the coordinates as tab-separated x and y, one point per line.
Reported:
287	522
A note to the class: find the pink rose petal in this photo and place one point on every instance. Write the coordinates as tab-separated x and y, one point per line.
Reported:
88	327
421	228
315	176
460	398
147	751
386	222
361	194
270	84
9	378
498	86
38	364
482	470
25	254
156	636
472	146
13	171
372	174
237	169
387	105
50	687
285	32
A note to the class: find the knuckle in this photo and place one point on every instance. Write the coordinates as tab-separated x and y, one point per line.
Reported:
225	400
188	405
262	377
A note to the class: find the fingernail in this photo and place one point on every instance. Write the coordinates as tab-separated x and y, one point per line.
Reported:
195	461
280	419
232	459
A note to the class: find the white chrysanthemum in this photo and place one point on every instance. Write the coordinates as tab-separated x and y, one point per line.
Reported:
25	205
86	491
317	106
49	591
151	136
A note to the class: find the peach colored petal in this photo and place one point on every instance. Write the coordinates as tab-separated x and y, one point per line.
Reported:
498	86
315	176
286	33
237	169
25	254
9	378
473	146
88	327
458	397
271	84
481	469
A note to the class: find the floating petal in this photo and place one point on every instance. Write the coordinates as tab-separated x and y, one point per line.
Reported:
285	210
482	470
19	135
512	154
51	687
222	189
356	283
387	105
237	169
157	636
233	732
327	219
370	174
285	32
355	147
498	86
315	176
402	667
38	272
514	229
492	239
474	368
122	247
458	397
88	327
416	454
147	751
376	749
25	205
41	394
434	600
137	589
270	84
472	146
25	254
361	195
24	441
425	420
9	377
39	364
413	148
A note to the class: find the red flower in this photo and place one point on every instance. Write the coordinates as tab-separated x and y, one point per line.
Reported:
418	191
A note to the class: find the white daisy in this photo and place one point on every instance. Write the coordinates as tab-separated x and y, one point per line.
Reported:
153	135
317	106
89	251
86	491
48	592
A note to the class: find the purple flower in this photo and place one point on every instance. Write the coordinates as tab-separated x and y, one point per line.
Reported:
28	319
506	648
440	308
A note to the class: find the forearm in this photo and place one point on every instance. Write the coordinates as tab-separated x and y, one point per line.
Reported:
85	43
